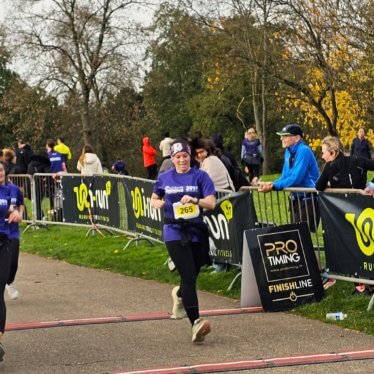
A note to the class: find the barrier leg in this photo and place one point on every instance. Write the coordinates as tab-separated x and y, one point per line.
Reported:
371	303
92	230
35	226
136	240
233	281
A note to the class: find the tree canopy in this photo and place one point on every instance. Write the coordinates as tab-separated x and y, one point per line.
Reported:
208	65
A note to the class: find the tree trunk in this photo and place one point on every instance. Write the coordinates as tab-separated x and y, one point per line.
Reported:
85	117
263	134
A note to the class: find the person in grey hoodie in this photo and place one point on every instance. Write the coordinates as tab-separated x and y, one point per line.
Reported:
89	163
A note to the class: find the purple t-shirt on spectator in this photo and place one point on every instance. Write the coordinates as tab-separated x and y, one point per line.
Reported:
172	186
56	161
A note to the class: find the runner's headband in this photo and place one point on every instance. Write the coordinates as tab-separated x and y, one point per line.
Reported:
179	147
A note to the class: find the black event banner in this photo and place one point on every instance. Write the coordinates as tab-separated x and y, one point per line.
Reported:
227	221
91	200
348	223
142	218
285	266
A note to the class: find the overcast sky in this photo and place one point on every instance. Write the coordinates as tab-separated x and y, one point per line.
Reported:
142	15
4	6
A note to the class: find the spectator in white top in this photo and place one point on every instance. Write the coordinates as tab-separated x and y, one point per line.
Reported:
89	163
165	145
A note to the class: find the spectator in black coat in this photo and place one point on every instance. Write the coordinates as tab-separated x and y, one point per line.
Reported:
236	174
361	146
40	163
342	171
23	154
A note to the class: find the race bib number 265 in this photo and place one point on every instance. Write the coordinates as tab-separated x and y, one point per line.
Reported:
186	211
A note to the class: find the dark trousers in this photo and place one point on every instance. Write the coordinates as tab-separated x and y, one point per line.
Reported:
187	261
152	171
14	254
4	270
253	171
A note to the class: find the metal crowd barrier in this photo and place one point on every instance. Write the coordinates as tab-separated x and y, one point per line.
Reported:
44	206
290	205
293	205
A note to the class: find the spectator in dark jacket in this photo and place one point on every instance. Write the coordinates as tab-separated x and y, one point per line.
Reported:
119	167
342	171
360	145
251	155
23	154
236	174
40	163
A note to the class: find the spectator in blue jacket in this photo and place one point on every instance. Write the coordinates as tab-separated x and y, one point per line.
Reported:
300	169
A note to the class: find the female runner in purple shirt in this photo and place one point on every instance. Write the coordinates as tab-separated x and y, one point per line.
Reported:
183	192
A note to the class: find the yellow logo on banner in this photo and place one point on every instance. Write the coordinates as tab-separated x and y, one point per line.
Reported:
137	202
82	193
87	198
364	228
108	187
227	209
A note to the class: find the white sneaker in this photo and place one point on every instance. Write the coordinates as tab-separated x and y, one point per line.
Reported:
12	291
178	311
200	328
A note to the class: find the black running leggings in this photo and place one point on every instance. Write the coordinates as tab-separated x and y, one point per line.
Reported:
14	254
186	260
4	270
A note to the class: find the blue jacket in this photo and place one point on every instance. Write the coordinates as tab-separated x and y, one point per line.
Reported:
300	168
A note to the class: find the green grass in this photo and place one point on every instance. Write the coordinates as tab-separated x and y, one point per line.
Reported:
146	261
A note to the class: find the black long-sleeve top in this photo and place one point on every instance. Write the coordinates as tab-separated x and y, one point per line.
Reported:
345	172
361	148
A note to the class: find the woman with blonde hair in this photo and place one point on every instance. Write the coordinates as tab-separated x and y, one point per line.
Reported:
342	171
89	163
251	155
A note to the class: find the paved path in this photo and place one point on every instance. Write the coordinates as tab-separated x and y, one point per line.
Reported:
142	337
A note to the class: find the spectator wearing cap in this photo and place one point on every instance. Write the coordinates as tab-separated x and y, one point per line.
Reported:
119	167
300	169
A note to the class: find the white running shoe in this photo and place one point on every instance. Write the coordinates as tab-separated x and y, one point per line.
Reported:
200	328
12	291
178	311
